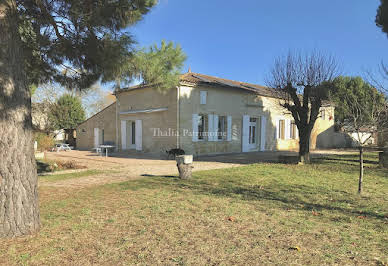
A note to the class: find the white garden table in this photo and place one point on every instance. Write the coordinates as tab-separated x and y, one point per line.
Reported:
106	147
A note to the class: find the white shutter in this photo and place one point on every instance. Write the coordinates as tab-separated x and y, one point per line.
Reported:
245	133
263	133
296	132
287	130
195	127
210	127
123	134
139	135
277	128
215	128
202	95
96	137
229	128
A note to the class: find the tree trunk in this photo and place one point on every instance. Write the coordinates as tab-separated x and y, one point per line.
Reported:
184	170
19	210
304	147
361	170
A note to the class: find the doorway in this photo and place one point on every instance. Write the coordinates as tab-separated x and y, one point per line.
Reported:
252	137
131	136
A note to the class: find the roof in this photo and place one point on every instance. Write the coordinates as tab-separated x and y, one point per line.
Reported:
198	78
201	79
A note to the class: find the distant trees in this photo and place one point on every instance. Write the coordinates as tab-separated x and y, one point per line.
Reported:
299	81
382	16
67	112
360	109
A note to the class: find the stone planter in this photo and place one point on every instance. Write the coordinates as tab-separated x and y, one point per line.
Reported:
185	165
39	155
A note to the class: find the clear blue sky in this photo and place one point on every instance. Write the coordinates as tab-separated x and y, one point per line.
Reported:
240	39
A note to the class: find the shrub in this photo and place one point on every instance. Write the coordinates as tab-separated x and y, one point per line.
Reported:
68	165
45	142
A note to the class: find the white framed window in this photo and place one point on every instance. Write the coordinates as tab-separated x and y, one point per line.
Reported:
222	128
282	127
203	96
202	126
293	130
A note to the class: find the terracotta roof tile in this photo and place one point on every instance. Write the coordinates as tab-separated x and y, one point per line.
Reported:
198	78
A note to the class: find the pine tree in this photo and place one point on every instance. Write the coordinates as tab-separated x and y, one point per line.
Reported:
72	42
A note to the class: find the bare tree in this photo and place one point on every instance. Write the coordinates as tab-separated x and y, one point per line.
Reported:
366	116
299	82
378	77
95	99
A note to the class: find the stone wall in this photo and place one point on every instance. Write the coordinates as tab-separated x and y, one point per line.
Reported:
104	120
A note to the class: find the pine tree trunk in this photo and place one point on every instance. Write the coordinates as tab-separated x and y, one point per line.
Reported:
304	147
19	210
361	170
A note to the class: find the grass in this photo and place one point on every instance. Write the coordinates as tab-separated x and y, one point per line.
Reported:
256	214
64	176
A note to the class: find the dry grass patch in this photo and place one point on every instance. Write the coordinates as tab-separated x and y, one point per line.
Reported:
257	214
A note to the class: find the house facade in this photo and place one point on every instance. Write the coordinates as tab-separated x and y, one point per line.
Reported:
203	115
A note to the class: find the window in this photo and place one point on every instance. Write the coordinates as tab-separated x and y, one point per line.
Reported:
253	119
222	127
323	114
202	126
83	130
133	128
293	130
281	127
203	95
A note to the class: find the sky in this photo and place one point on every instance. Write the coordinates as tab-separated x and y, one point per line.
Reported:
240	40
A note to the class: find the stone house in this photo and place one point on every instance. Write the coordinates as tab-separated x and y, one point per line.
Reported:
203	115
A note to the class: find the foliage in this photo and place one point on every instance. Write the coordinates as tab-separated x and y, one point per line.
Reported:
358	105
361	109
298	81
67	113
45	141
155	65
382	16
75	42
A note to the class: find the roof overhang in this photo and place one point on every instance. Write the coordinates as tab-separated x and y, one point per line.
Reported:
144	111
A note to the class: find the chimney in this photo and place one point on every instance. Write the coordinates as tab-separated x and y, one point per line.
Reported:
189	71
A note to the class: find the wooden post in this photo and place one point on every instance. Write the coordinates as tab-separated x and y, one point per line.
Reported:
184	164
383	158
361	170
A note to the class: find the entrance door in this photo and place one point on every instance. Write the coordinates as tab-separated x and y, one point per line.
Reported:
131	135
252	137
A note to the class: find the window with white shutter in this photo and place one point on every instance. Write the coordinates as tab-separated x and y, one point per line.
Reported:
203	96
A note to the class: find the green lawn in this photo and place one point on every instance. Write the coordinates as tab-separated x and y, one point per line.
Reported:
64	176
256	214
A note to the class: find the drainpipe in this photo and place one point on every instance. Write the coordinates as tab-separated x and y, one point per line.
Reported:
178	117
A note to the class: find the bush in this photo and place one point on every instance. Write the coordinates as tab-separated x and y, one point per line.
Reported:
63	165
45	142
44	166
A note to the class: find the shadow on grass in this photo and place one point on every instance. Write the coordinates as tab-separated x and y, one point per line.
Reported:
286	196
43	167
321	160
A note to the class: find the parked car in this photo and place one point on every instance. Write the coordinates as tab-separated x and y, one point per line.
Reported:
61	147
